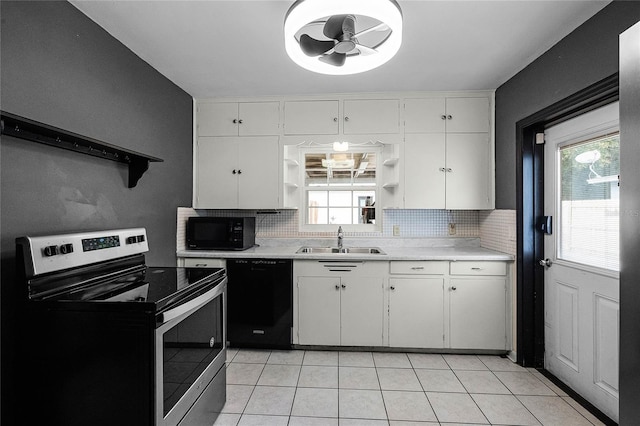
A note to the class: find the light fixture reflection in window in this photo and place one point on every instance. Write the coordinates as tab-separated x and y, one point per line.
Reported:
341	146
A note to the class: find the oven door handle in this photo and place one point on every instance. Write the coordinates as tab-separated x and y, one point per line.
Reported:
193	304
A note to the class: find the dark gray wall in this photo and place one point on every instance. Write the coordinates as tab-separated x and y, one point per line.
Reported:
630	226
587	55
60	68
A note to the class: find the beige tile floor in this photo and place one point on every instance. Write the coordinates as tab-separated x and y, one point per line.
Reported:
300	388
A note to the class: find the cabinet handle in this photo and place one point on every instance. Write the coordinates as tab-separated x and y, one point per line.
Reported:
239	171
337	287
449	169
234	171
442	169
444	117
344	286
235	121
476	269
453	288
346	119
240	121
449	117
335	119
392	288
200	264
417	268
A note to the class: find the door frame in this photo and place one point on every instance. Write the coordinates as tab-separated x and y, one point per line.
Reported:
530	211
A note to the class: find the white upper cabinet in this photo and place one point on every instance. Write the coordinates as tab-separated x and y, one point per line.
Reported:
238	118
311	118
424	179
468	172
451	115
371	116
237	173
358	117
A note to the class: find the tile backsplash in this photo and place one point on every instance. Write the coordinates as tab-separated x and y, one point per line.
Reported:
410	223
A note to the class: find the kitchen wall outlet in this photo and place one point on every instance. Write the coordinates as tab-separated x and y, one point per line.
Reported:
396	230
452	229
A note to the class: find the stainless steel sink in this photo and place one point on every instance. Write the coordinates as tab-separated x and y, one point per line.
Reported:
340	250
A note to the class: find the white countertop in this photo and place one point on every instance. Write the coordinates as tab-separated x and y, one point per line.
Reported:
393	252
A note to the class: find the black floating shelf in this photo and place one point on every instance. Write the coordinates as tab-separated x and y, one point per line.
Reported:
24	128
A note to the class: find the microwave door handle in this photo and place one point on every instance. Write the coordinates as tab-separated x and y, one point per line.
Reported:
193	304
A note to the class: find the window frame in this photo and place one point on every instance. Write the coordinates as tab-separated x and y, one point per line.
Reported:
303	200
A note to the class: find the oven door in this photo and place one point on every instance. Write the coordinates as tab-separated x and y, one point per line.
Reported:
190	358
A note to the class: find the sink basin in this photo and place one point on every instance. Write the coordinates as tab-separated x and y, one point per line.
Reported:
340	250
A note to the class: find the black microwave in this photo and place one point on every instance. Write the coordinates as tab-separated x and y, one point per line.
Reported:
221	233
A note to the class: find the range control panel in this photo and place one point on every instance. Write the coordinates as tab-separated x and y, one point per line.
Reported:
58	252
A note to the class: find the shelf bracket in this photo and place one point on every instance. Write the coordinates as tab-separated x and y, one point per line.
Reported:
30	130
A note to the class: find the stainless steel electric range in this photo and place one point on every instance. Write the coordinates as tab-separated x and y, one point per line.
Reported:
110	341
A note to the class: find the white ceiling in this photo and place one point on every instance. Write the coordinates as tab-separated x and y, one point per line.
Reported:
235	48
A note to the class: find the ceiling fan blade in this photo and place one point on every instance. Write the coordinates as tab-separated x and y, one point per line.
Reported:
380	27
333	26
312	47
365	51
336	59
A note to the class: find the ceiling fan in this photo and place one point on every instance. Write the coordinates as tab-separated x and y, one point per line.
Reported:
343	41
342	37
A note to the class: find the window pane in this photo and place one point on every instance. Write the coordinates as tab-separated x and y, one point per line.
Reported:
589	203
318	216
340	199
318	198
340	216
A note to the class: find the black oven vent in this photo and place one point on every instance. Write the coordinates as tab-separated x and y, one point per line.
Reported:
24	128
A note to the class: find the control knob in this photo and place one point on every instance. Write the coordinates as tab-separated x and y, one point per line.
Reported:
66	248
50	251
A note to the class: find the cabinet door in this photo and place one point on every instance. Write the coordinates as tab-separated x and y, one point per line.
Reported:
424	180
469	175
424	115
217	119
361	311
259	173
468	115
477	313
416	312
319	310
311	118
371	116
216	184
259	118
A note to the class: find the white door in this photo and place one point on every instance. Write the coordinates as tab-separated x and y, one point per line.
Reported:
468	171
425	115
217	119
361	311
424	171
582	280
319	311
416	312
258	178
468	115
216	179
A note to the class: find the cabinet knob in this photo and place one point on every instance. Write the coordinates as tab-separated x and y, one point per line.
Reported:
449	117
235	121
240	121
449	169
337	287
444	117
335	119
392	288
239	171
346	119
442	169
234	171
344	286
453	288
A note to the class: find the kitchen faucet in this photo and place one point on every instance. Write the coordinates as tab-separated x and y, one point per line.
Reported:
340	236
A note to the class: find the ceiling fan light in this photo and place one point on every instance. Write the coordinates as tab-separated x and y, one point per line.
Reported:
303	12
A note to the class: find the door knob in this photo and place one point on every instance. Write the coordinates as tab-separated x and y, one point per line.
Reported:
545	262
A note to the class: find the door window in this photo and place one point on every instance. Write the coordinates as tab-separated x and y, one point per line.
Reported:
589	202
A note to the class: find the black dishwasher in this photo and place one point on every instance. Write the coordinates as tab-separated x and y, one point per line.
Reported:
260	303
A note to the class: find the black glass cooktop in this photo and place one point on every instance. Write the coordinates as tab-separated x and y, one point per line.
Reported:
159	287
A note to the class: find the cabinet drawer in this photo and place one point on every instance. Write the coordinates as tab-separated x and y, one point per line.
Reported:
418	267
191	262
478	268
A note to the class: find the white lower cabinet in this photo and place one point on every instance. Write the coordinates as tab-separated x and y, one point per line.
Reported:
416	312
477	313
339	304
